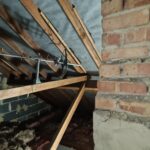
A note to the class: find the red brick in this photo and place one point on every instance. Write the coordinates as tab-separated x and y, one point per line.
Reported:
135	3
105	55
148	33
140	108
106	86
144	69
120	87
111	39
137	70
138	35
106	104
133	88
136	107
112	6
126	20
126	70
109	70
125	53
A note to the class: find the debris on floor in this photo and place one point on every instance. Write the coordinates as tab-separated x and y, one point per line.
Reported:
13	139
37	134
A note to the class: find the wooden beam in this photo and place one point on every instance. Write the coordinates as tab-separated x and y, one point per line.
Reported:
81	29
91	86
9	69
45	24
75	59
12	67
14	92
4	71
15	47
19	67
85	104
67	119
23	34
87	89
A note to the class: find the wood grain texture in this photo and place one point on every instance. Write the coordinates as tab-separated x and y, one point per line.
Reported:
48	28
67	119
82	31
23	34
18	91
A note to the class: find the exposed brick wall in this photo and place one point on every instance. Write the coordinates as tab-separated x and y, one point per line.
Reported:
124	84
22	108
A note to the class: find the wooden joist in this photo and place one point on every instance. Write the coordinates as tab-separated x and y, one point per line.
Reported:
63	126
11	66
8	68
18	91
19	68
45	24
87	89
23	34
15	47
4	71
8	64
91	86
81	29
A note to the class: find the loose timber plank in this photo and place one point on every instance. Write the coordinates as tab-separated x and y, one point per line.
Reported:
45	24
81	29
67	119
14	92
23	34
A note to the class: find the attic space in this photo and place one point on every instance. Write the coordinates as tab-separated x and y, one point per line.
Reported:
75	75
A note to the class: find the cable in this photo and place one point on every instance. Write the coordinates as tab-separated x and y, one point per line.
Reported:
64	66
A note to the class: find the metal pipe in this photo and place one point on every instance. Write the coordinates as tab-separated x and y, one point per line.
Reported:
37	72
36	58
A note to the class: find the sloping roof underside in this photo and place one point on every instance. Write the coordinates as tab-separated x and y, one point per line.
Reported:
88	10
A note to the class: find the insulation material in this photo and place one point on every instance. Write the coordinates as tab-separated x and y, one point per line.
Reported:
90	14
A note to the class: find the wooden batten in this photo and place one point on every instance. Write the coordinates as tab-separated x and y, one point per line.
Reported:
48	28
14	92
87	89
9	69
15	47
23	34
63	126
91	86
82	31
19	68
